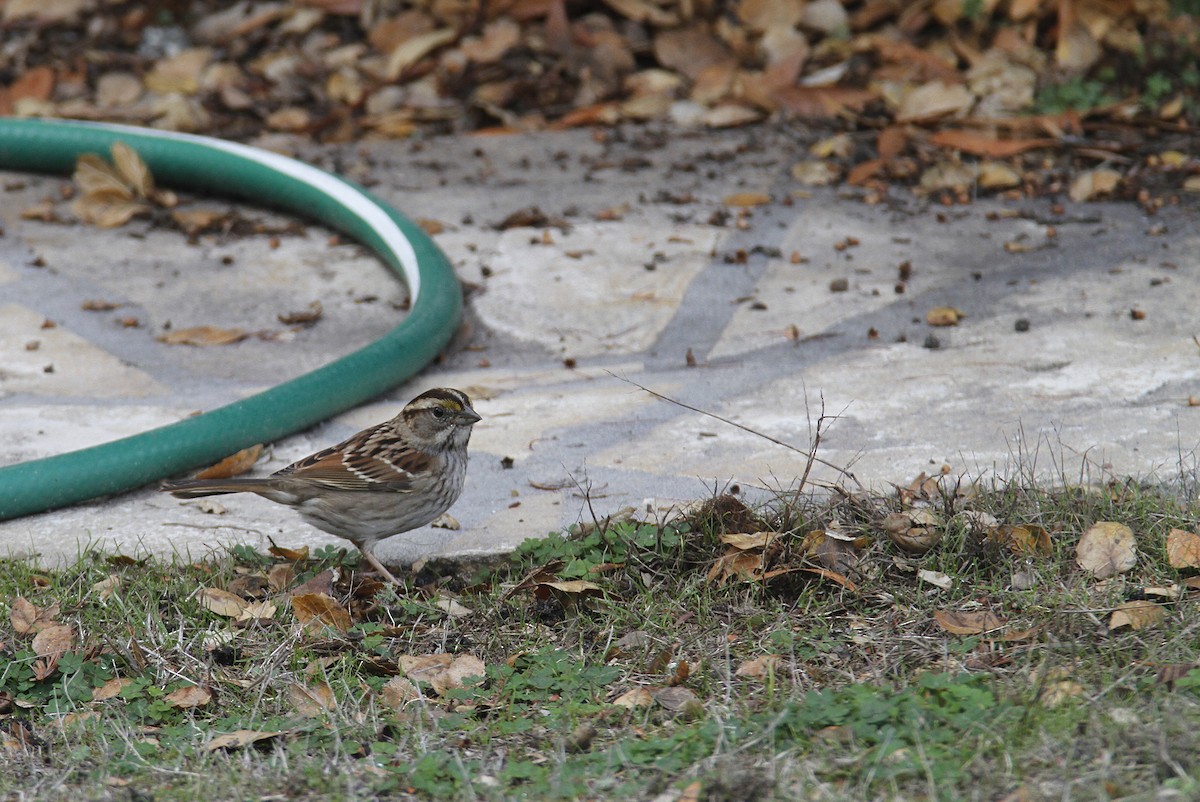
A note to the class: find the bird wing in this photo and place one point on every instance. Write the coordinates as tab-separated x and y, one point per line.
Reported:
362	463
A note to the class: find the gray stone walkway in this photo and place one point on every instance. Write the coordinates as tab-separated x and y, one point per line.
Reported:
1075	360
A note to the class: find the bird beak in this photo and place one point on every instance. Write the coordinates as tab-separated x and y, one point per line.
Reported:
468	416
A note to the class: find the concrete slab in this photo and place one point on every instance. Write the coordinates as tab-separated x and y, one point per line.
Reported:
783	307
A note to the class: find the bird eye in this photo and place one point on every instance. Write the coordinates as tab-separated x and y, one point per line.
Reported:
439	412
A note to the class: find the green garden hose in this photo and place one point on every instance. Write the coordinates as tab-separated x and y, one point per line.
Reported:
224	168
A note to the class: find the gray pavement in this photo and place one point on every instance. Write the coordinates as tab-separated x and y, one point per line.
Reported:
787	309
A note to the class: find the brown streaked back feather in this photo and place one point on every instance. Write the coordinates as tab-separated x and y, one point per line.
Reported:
357	464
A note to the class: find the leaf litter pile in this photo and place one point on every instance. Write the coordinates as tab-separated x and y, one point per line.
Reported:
943	632
1091	98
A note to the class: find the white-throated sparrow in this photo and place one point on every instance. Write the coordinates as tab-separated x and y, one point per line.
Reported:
388	479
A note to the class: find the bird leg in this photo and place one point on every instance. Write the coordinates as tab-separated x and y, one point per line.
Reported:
378	566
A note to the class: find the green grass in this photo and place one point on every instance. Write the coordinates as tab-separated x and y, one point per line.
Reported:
866	697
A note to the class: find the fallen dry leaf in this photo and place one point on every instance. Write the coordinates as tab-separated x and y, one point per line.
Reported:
933	100
26	617
188	697
982	145
295	555
316	611
304	317
675	698
1059	692
196	221
233	465
442	672
203	336
1026	539
944	316
106	587
399	691
958	622
240	738
311	700
53	641
756	540
1136	614
914	531
1091	184
935	578
1106	549
638	697
744	199
111	689
221	602
1183	549
759	667
132	170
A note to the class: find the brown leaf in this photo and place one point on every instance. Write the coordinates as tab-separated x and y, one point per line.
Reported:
280	576
742	564
744	199
107	210
933	100
188	697
462	668
26	617
1106	549
311	700
179	73
1136	614
1077	49
998	175
911	536
399	691
638	697
675	698
258	611
94	176
221	602
233	465
106	587
758	668
98	305
958	622
132	170
824	573
43	211
240	738
36	83
1029	539
742	542
442	672
575	587
944	316
1093	183
987	146
1059	692
196	221
203	335
315	611
498	38
936	578
415	49
322	583
54	640
644	11
1183	549
295	555
111	689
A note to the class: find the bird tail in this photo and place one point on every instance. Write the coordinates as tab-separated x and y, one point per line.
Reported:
195	488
